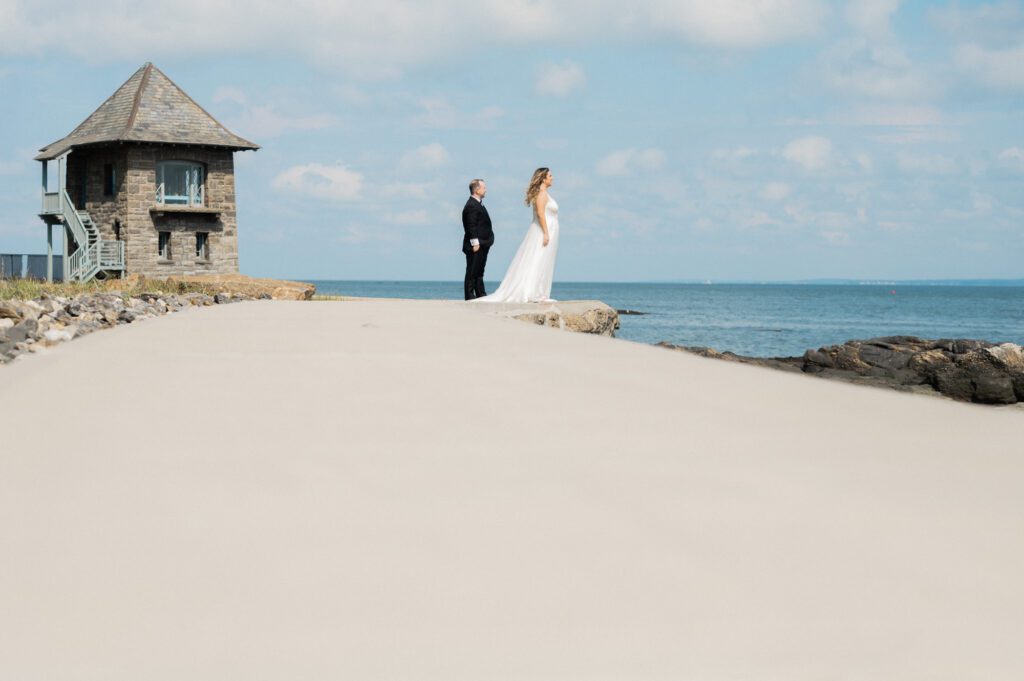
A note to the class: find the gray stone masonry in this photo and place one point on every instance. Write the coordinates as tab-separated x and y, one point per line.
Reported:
134	207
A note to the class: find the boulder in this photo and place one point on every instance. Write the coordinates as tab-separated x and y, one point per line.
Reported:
964	369
581	316
29	309
1009	355
976	376
19	333
54	336
8	310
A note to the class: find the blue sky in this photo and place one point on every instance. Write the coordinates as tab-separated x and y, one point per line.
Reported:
736	140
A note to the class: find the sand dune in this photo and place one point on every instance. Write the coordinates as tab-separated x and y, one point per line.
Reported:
413	490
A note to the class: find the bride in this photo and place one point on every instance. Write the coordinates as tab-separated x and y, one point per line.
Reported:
528	279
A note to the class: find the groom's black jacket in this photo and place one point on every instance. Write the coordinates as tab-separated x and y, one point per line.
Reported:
477	225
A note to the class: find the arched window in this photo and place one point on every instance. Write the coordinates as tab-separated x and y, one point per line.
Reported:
180	183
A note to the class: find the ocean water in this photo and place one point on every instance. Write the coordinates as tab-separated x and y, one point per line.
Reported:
768	320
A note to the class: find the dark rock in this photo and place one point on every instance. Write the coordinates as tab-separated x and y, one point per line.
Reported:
631	312
222	298
964	369
1018	387
961	347
19	333
976	376
884	355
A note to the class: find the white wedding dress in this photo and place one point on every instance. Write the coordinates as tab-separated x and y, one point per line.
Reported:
528	279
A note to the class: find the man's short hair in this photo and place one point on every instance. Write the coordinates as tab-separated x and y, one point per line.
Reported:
474	185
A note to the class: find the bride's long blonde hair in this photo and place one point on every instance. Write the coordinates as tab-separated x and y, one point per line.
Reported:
536	181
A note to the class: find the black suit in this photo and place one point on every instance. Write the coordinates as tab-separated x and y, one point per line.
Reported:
477	224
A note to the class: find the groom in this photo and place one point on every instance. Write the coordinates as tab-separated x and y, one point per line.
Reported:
478	239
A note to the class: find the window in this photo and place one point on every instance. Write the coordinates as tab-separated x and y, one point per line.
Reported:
179	183
202	246
165	245
109	179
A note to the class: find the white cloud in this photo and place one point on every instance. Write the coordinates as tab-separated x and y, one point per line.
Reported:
775	191
384	38
927	164
890	115
359	234
982	203
334	183
560	79
265	121
862	67
735	154
995	24
427	157
999	68
813	153
412	218
1012	158
758	218
871	62
626	162
438	113
407	190
827	220
226	93
835	237
871	17
990	37
726	23
1012	154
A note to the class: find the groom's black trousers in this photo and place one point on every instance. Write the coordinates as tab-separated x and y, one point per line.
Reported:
475	263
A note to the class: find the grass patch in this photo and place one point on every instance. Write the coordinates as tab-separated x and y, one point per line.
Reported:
27	289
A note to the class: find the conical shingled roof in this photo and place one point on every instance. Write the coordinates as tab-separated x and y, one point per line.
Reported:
149	107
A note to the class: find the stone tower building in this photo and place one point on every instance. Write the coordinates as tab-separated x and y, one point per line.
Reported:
145	185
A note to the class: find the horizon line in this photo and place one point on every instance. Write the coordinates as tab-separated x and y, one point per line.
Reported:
834	280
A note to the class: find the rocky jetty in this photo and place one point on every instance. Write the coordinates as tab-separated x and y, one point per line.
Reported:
967	370
31	325
582	316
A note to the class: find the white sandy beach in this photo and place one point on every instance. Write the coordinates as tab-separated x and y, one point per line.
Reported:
414	490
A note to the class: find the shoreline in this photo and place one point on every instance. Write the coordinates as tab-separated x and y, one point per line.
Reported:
770	321
51	320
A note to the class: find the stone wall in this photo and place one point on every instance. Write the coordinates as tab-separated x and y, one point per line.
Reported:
134	200
142	225
87	165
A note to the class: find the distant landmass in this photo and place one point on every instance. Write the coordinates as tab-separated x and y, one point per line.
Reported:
861	282
915	282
